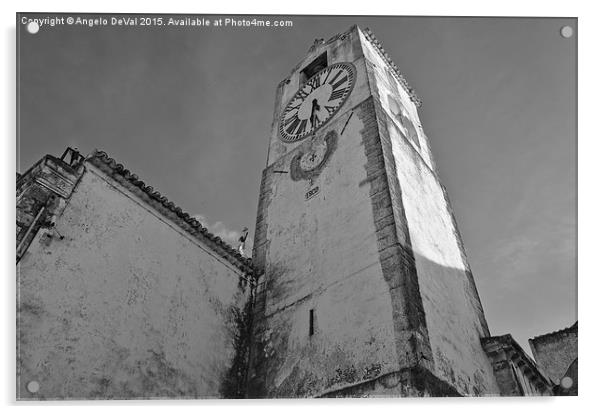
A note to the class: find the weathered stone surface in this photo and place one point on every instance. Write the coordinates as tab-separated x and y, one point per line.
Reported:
556	351
516	373
409	382
41	194
126	305
453	314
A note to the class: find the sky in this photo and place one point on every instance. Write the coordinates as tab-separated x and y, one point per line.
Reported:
188	109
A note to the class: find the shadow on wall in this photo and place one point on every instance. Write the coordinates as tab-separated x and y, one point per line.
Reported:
455	323
351	362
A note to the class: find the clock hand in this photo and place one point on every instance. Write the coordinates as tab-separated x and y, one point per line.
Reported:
314	107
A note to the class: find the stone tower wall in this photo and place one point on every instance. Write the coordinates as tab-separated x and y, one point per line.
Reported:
347	255
454	317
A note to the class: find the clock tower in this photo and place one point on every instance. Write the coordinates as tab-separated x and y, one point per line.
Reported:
364	287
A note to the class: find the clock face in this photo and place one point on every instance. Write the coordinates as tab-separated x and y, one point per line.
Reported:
317	101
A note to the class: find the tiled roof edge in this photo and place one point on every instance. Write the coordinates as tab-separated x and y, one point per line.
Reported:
186	222
568	329
404	83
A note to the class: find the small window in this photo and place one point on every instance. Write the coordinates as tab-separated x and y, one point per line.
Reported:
314	67
311	322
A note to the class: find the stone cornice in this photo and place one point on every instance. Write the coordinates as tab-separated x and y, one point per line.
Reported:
505	344
396	72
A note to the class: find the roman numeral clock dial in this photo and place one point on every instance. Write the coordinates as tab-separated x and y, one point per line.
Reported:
316	101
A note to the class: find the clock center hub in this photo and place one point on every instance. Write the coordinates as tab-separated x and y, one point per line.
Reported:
320	95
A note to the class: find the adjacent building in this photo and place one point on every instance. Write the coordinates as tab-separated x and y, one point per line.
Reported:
121	294
556	354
